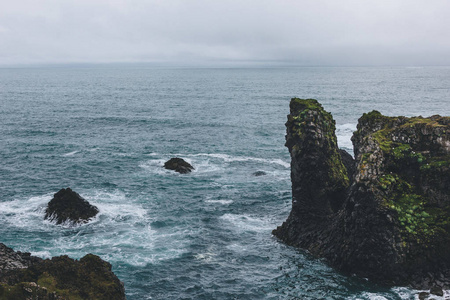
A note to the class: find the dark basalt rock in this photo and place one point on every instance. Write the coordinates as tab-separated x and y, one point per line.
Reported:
383	216
349	163
178	165
23	276
437	291
259	173
69	207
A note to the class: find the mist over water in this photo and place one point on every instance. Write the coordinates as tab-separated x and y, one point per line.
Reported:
106	132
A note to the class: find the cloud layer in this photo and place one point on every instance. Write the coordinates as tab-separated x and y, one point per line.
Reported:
200	32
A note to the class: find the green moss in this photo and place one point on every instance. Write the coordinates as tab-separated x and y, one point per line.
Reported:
434	163
418	221
421	121
374	115
27	290
51	284
383	140
304	111
298	104
14	292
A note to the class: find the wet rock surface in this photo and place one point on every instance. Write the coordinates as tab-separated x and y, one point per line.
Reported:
178	165
23	276
69	207
384	215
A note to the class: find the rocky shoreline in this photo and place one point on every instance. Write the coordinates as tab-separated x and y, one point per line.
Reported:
385	215
23	276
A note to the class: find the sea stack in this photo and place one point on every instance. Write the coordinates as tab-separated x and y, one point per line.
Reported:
384	216
68	206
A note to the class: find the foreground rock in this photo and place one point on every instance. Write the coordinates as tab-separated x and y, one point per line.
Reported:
385	216
178	165
23	276
69	207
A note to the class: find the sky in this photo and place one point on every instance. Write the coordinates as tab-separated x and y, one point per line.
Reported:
227	32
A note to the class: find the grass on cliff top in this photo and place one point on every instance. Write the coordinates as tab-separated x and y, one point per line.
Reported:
298	104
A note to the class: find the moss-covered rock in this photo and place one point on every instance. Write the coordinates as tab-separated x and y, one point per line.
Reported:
393	223
57	278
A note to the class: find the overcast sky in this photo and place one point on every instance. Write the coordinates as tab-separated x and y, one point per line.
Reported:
200	32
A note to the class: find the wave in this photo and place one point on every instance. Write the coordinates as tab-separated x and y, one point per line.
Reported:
230	158
70	153
223	202
344	133
25	213
120	232
209	162
246	223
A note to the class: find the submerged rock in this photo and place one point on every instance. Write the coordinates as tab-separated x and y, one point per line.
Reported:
178	165
23	276
69	207
383	216
259	173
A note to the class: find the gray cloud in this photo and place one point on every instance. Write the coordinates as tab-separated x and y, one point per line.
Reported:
320	32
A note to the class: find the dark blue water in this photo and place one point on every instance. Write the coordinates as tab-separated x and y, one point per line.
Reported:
106	132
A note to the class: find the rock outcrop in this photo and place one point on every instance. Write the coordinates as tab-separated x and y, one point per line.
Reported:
383	216
23	276
69	207
178	165
259	173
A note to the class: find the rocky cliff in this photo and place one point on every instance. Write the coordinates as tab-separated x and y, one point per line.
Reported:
384	215
23	276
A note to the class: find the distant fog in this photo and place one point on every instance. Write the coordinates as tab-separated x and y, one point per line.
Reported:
244	32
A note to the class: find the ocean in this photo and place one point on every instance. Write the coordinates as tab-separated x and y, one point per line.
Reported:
106	131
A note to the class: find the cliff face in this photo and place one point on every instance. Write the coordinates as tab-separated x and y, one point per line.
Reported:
384	216
23	276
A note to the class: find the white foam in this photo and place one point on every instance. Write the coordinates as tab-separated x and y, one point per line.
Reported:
230	158
223	202
71	153
120	232
42	254
245	223
344	133
238	248
373	296
205	162
25	213
207	256
155	166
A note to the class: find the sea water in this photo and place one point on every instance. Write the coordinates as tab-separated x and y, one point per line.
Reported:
105	131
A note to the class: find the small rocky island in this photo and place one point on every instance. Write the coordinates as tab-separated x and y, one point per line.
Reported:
69	207
23	276
178	165
384	215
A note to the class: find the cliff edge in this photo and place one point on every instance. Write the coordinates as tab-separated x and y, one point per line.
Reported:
384	215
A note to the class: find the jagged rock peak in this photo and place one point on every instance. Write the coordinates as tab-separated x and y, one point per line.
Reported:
178	165
68	206
319	178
